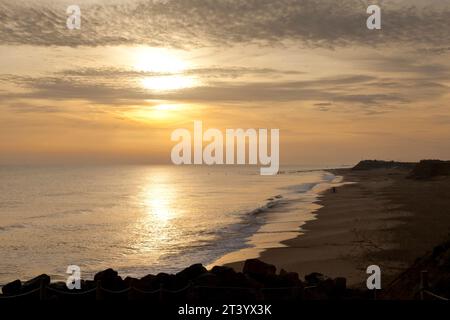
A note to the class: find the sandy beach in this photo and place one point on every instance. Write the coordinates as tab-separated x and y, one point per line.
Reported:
383	219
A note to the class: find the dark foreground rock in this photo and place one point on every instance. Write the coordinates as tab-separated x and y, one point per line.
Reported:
12	288
110	279
259	281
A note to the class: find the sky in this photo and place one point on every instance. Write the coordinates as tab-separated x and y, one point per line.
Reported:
114	90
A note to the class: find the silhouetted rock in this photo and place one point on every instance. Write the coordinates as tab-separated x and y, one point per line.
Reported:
192	272
257	268
147	283
60	285
426	169
228	276
12	288
289	279
109	279
328	286
314	278
340	285
130	281
88	284
223	271
207	280
168	281
36	283
379	164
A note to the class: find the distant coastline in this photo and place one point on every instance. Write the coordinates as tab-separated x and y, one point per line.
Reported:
377	219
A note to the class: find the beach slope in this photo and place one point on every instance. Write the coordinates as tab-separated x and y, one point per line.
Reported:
383	218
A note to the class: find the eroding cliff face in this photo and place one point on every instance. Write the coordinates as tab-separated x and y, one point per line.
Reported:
379	164
435	265
426	169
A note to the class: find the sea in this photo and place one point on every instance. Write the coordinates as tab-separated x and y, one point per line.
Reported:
141	219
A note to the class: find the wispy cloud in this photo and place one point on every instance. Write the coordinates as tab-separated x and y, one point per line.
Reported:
196	23
210	72
324	92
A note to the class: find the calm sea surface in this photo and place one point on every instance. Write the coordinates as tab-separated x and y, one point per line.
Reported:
139	219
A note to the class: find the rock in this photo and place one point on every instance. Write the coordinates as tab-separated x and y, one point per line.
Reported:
314	278
328	286
290	279
12	288
340	285
258	269
226	276
251	283
36	283
60	285
130	281
223	271
88	284
147	283
192	272
109	279
169	281
207	280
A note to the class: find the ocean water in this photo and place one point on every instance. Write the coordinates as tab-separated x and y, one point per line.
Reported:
144	219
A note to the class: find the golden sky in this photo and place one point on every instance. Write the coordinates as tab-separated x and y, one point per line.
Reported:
114	90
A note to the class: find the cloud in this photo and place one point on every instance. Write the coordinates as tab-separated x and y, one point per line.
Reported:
30	108
197	23
327	90
211	72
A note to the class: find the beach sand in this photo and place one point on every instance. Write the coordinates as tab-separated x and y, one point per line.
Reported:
383	219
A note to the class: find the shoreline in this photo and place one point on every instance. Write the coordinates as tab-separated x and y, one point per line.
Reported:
378	220
374	217
282	222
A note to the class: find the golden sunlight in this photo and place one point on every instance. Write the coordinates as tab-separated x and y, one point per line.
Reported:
156	113
158	60
167	66
169	83
158	197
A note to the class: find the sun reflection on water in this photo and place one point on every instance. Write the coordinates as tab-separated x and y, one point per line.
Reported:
156	229
159	197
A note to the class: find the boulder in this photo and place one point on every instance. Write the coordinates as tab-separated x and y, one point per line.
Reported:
221	271
109	279
36	283
207	280
256	268
328	286
227	276
168	281
340	285
192	272
130	281
290	279
314	278
12	288
147	283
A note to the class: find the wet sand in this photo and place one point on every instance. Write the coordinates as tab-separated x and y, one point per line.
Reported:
383	219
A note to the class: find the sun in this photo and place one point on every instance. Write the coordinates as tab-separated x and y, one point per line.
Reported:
163	69
158	60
